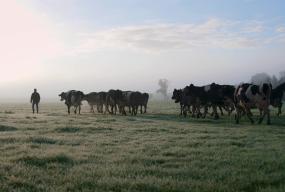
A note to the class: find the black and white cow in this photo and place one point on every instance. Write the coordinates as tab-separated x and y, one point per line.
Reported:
248	96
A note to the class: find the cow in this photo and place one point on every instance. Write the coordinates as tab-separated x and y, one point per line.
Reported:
202	96
277	97
72	98
213	95
143	102
92	100
96	98
224	97
184	101
102	101
132	100
112	99
177	97
248	96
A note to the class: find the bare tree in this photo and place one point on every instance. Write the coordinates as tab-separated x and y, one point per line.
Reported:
163	84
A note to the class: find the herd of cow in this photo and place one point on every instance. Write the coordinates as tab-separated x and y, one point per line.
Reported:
192	100
228	97
111	100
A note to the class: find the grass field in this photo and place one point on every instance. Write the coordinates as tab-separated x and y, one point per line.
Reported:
159	151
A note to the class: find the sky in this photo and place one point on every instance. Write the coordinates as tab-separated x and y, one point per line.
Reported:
94	45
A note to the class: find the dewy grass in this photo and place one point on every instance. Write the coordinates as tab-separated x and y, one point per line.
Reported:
157	151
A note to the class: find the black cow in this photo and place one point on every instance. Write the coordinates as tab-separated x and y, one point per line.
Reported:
213	95
112	99
144	102
177	97
277	97
72	98
132	100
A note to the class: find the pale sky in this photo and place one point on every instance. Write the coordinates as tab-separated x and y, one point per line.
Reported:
92	45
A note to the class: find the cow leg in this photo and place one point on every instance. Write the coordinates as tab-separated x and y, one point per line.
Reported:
262	115
115	106
249	115
221	110
279	110
112	107
216	115
145	106
260	112
231	109
189	109
141	109
75	110
181	109
123	111
79	109
137	108
184	111
68	109
193	110
237	116
205	112
133	110
268	117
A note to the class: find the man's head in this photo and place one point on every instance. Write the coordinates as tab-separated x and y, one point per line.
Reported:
35	90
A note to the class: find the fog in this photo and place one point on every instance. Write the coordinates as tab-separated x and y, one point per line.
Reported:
56	46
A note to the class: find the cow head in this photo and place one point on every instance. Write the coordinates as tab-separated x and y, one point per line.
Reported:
62	96
176	96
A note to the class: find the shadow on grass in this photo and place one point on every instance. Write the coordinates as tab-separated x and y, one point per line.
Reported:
41	140
45	161
224	120
7	128
67	130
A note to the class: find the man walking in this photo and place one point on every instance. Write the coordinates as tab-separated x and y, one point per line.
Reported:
35	100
